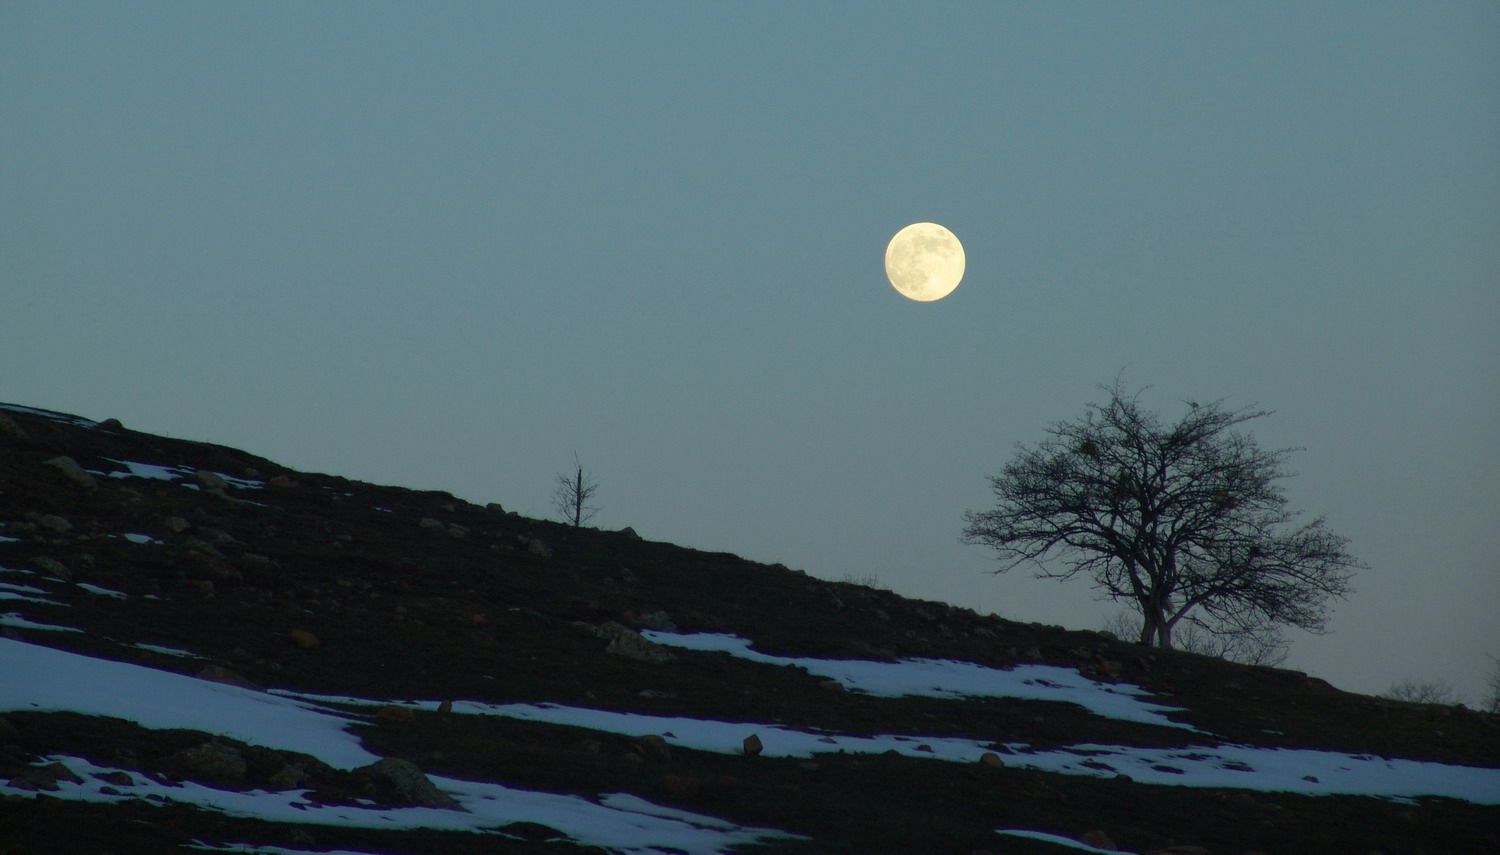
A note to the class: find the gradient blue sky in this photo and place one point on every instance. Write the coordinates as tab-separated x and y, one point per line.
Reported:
447	245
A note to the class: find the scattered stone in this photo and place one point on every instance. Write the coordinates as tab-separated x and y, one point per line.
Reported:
227	676
304	639
44	777
52	567
54	522
457	530
210	762
392	712
429	522
536	546
1099	840
176	525
990	758
69	467
409	782
626	642
752	745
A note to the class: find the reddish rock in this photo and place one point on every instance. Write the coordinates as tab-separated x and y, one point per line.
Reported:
391	712
990	758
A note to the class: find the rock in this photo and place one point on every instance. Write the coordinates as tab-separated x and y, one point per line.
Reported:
176	525
227	676
304	639
409	783
445	707
8	426
391	712
658	620
282	482
52	567
626	642
201	587
429	522
44	777
680	786
536	546
54	522
457	530
630	533
494	506
752	745
69	467
210	480
831	685
210	761
1099	840
119	779
109	425
654	747
990	758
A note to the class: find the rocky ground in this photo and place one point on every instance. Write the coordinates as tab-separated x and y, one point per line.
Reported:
313	583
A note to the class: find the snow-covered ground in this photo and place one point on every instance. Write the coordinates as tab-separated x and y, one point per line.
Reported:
35	677
39	678
948	678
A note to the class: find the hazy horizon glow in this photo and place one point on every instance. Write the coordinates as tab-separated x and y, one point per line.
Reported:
447	246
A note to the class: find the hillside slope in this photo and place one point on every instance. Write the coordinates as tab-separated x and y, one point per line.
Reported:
202	650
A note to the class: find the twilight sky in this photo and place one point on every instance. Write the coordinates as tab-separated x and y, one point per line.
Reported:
448	245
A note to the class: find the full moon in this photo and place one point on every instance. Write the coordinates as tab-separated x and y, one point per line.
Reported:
925	262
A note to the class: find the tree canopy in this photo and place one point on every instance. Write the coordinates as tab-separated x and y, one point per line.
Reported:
1186	520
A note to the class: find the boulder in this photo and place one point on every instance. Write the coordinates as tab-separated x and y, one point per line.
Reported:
409	783
9	427
75	473
44	777
392	712
54	522
304	639
210	480
429	522
52	567
658	620
626	642
210	762
752	745
654	747
990	758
